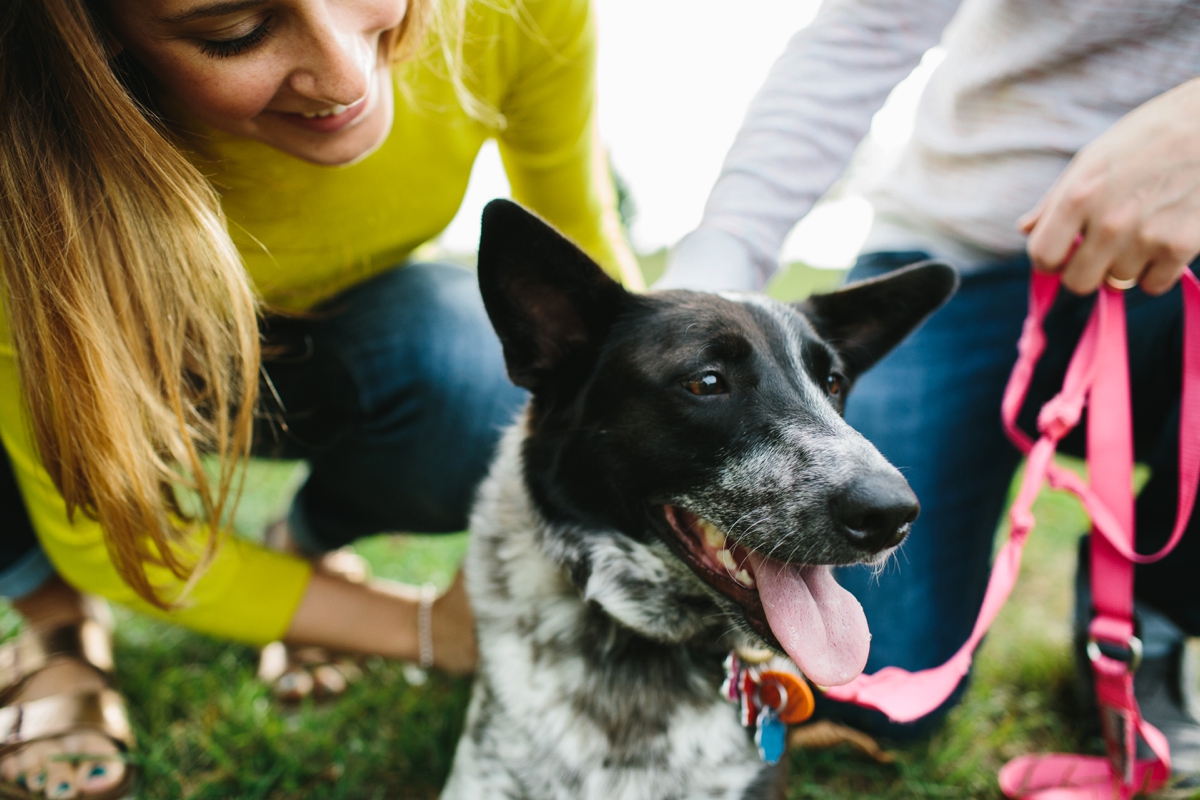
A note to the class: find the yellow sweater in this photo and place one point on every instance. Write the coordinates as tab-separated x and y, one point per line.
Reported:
308	232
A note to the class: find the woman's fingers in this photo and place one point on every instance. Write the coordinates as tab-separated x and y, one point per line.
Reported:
1161	275
1027	221
1134	194
1053	230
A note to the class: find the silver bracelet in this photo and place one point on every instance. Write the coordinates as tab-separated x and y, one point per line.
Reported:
425	625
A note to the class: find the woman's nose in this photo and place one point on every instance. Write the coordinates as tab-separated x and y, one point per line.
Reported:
334	66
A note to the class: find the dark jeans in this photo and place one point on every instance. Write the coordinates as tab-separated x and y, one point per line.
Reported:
932	407
395	392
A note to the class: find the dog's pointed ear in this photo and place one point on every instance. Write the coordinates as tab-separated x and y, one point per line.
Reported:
865	320
550	304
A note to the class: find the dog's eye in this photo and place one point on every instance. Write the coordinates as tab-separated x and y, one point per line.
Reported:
833	384
706	383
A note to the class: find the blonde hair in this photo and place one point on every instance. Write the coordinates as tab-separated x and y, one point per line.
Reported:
133	320
444	51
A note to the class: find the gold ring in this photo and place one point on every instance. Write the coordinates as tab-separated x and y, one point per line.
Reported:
1122	285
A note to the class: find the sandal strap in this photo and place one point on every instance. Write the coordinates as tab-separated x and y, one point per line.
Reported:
62	714
88	642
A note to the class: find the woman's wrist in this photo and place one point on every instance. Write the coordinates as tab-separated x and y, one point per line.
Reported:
349	617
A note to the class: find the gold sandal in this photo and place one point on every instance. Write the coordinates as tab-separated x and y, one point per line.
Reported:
102	711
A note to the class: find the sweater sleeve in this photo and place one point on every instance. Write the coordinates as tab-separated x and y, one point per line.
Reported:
247	593
554	160
803	126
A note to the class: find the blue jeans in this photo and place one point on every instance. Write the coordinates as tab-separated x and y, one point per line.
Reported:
932	407
395	392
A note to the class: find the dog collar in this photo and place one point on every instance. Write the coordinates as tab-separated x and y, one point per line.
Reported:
767	701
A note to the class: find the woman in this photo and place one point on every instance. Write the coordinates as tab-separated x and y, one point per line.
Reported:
168	168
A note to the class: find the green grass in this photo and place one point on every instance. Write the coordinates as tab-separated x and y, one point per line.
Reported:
208	729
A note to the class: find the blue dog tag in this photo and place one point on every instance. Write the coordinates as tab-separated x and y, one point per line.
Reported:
770	736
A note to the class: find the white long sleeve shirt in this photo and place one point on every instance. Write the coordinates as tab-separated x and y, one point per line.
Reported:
1024	85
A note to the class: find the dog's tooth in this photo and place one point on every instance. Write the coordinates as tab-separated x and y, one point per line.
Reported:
726	560
743	577
713	535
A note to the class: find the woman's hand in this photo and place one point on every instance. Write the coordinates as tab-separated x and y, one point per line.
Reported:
1133	195
382	619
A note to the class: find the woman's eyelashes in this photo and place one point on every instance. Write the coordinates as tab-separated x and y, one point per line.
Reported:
227	48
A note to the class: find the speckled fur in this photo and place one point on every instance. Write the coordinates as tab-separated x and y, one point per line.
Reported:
601	647
610	692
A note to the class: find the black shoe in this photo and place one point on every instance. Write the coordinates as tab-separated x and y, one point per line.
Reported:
1167	687
1163	699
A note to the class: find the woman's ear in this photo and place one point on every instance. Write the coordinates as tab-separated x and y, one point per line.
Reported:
865	320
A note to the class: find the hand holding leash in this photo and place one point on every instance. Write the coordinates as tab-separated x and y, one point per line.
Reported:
1133	195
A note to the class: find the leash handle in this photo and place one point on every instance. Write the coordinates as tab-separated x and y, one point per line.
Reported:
906	696
1065	408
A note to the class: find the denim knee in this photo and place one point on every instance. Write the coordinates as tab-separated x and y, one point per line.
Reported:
430	398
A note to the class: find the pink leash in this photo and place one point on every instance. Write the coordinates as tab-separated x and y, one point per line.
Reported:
1098	376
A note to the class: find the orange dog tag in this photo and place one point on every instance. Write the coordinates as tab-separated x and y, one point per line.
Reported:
787	693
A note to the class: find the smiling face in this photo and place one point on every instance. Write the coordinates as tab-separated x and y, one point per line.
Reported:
308	77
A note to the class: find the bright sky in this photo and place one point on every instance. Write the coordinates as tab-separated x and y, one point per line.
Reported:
675	78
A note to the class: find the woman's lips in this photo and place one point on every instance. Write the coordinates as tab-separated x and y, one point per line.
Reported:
333	122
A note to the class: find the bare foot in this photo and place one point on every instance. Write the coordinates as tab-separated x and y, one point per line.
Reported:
71	766
76	765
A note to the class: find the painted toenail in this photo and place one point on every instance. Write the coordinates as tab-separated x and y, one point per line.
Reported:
98	771
61	789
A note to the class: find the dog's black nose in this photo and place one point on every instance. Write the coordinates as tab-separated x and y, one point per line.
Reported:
875	510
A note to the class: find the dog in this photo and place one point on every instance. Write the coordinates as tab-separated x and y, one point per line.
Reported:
678	485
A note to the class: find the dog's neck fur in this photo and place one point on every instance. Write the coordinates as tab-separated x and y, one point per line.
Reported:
572	701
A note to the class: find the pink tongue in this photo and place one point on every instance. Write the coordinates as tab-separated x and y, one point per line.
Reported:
820	625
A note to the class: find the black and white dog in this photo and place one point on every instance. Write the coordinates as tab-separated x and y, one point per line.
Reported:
678	486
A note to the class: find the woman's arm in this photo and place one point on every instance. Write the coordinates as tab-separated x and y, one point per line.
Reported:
383	619
554	160
247	593
799	134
